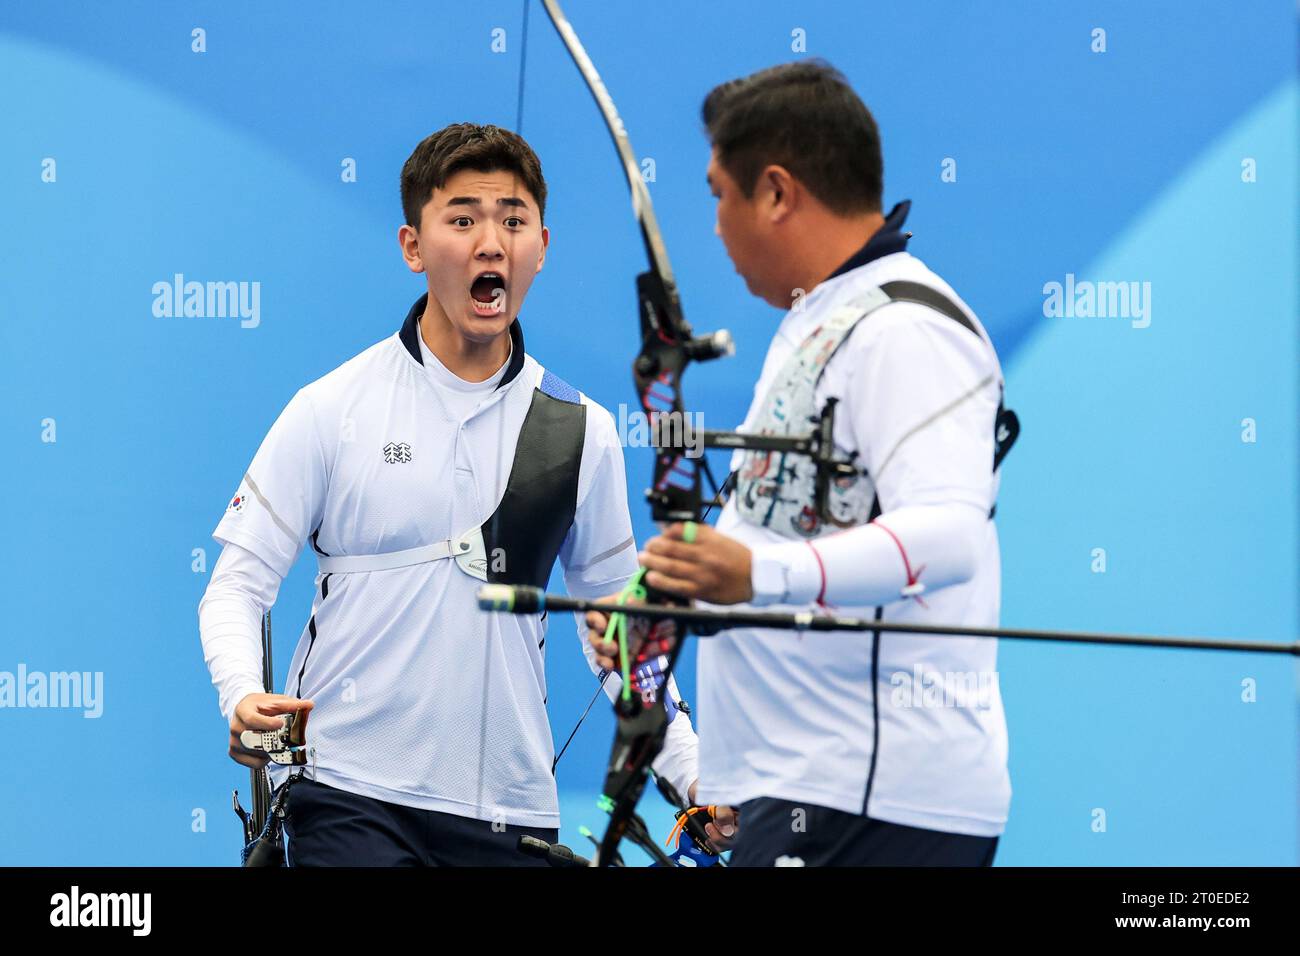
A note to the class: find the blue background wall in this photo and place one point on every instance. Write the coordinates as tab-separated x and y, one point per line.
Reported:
1123	165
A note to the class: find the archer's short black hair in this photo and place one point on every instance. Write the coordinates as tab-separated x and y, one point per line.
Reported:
468	146
803	116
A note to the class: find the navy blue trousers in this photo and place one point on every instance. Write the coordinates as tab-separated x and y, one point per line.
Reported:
784	832
326	826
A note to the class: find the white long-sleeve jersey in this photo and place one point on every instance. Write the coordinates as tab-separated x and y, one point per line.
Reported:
904	728
421	699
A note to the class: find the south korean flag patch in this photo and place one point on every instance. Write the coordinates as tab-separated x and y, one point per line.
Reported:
237	503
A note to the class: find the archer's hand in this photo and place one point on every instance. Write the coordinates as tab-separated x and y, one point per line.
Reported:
260	712
712	568
723	828
638	630
606	651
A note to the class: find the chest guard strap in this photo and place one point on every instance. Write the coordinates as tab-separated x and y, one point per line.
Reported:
779	490
519	542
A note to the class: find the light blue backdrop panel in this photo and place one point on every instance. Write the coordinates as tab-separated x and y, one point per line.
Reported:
1123	165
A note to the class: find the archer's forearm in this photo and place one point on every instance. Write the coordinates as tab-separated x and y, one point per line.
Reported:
230	624
933	546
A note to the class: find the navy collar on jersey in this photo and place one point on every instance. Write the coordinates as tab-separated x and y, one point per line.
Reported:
410	336
888	239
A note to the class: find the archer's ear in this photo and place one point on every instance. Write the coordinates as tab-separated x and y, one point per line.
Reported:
779	193
546	241
408	240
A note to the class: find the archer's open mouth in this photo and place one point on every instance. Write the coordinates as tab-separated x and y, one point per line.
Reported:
487	293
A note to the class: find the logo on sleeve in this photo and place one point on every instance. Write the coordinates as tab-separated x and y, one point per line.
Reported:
237	503
397	454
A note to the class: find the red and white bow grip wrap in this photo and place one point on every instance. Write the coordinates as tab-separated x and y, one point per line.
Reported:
862	566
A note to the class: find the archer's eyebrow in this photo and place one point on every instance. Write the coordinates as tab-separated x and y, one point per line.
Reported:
474	201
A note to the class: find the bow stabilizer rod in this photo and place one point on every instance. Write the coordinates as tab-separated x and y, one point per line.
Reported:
512	599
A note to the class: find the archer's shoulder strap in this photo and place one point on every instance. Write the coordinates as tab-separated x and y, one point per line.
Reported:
1006	425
